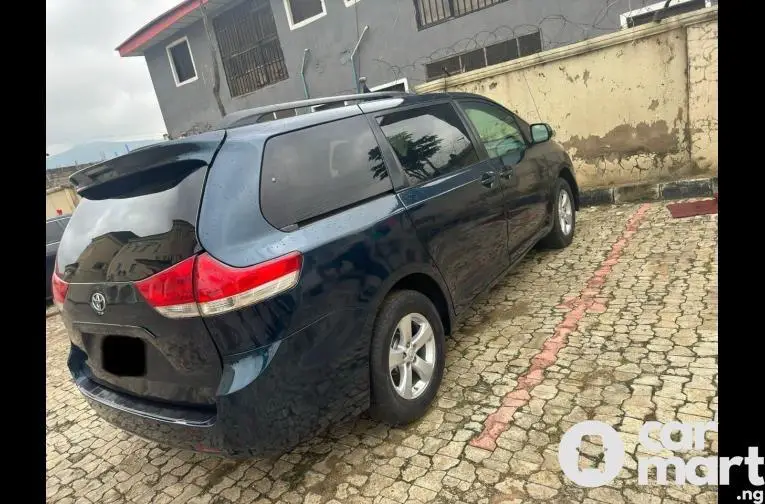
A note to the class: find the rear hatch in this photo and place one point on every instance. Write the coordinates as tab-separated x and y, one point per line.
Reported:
126	246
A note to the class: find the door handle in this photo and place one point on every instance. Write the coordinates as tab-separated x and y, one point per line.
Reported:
488	179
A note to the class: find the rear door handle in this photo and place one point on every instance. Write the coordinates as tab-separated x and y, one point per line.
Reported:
488	178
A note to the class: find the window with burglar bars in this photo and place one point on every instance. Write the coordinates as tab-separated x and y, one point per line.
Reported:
249	47
431	12
485	56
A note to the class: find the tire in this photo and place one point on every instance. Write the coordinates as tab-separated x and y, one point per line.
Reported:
558	238
388	405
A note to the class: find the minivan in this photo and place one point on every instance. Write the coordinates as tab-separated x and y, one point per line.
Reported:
240	290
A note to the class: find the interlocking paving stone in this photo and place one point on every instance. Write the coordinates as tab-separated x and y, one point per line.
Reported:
644	348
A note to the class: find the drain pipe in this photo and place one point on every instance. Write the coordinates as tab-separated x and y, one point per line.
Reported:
353	58
302	73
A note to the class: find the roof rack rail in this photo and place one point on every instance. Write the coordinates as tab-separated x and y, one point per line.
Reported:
254	115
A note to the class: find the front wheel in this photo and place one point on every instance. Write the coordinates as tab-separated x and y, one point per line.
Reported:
564	217
407	358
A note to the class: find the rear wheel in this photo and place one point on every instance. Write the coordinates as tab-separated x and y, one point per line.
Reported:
407	358
564	217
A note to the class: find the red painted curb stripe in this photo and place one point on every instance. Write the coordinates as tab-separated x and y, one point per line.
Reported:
587	301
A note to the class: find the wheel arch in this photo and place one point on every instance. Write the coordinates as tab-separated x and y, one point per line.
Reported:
426	280
567	174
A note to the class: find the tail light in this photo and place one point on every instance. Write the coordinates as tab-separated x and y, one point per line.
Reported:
171	292
59	289
202	285
221	288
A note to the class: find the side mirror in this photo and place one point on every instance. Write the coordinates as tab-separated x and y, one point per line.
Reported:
541	132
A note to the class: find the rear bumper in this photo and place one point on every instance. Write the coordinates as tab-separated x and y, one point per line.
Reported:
316	377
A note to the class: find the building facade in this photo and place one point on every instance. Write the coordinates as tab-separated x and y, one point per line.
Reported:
208	58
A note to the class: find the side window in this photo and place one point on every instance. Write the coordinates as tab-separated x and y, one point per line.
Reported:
429	141
496	128
53	231
321	169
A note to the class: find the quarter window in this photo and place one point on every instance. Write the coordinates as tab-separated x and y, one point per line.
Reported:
318	170
496	128
429	141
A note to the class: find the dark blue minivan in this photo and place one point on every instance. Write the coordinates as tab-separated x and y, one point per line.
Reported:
240	290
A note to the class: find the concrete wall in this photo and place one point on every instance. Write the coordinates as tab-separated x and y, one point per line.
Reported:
60	198
637	105
393	48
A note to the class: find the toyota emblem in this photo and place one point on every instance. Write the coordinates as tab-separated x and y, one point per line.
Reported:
98	302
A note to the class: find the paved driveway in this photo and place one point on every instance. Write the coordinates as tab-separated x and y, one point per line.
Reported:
620	327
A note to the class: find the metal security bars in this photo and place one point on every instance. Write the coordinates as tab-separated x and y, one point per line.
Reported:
490	55
431	12
249	47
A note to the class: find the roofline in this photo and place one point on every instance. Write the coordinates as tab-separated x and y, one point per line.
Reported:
156	26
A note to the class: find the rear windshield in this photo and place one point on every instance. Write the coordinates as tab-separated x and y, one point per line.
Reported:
131	236
318	170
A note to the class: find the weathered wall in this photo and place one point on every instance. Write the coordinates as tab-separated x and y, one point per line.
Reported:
60	198
637	105
702	94
393	48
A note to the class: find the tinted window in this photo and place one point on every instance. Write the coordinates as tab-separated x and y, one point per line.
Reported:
318	170
131	237
496	128
54	230
429	141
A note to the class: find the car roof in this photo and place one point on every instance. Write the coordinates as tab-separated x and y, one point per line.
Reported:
350	105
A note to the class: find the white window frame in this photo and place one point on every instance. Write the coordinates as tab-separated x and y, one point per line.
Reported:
404	81
295	26
349	3
172	63
653	8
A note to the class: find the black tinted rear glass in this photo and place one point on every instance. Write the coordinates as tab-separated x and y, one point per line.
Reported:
318	170
130	238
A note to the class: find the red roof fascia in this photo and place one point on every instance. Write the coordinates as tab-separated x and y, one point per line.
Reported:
157	26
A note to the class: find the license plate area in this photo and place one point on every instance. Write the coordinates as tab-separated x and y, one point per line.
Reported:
123	356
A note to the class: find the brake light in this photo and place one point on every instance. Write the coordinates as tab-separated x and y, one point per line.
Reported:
221	288
171	292
59	289
202	285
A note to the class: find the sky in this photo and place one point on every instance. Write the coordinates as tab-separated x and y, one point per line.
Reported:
91	92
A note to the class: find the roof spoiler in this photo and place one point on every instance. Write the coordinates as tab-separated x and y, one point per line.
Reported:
184	154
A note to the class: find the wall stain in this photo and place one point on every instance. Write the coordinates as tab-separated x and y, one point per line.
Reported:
568	77
492	85
654	105
626	140
586	77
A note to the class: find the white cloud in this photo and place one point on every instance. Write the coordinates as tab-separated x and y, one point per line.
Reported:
91	92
